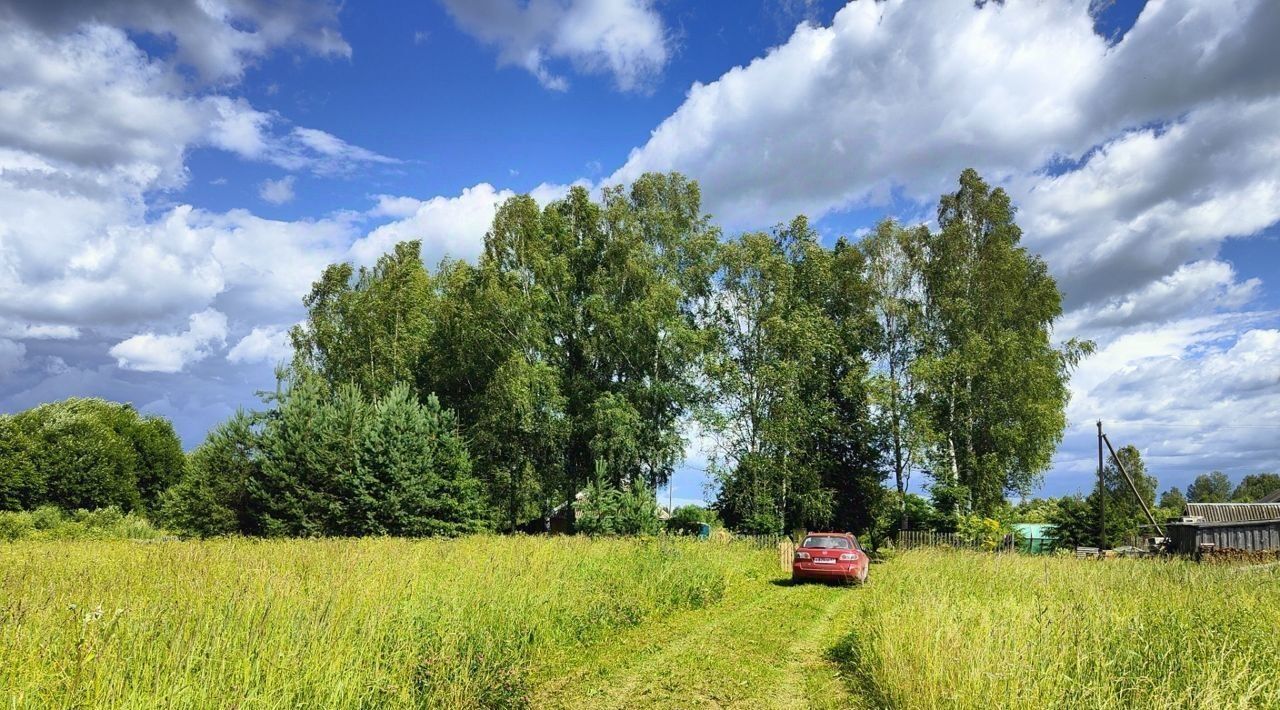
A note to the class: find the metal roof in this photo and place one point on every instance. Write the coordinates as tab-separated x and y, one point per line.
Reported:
1234	512
1272	497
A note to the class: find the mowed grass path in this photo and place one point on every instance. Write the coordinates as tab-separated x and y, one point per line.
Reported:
765	646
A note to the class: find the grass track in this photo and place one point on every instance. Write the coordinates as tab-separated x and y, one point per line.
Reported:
767	648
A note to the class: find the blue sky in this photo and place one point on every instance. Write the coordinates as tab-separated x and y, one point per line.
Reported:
174	174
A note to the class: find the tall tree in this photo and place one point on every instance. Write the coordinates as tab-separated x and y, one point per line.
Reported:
1212	487
1124	512
368	327
996	387
893	272
1173	501
1255	486
19	486
792	422
577	335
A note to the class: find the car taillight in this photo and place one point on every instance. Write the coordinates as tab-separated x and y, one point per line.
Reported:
801	555
848	557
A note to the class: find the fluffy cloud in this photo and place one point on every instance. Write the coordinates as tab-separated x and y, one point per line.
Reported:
1196	394
216	38
92	129
277	192
1147	203
149	352
903	95
267	344
623	38
452	226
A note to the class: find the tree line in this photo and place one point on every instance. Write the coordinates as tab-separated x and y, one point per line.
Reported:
590	334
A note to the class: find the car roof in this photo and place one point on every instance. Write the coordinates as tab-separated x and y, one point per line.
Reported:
828	534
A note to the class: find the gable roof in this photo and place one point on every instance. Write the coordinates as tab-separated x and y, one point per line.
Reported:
1272	497
1234	512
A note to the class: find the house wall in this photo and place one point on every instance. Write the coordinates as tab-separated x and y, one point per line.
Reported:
1187	538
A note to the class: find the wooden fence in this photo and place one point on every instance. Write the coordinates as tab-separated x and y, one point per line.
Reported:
785	546
907	539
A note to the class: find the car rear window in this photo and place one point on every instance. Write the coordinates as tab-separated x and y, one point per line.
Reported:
828	542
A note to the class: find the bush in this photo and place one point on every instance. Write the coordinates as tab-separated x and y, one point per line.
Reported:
325	463
50	523
689	519
605	510
15	526
86	453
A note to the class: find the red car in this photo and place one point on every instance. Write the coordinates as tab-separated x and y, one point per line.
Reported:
830	556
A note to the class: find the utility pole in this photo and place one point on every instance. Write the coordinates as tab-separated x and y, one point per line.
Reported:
1102	496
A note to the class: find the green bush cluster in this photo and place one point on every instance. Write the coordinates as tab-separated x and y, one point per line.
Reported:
52	523
86	453
605	510
331	463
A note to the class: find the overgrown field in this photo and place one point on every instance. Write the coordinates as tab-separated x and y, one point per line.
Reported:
970	630
358	623
614	623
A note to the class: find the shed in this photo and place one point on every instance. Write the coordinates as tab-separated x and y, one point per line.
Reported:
1035	537
1226	526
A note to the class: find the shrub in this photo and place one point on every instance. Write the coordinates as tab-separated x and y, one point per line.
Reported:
86	453
15	526
331	463
689	519
50	523
605	510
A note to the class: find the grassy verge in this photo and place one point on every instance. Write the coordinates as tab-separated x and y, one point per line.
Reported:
359	623
968	630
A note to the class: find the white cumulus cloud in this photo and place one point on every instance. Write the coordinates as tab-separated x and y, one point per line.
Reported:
149	352
277	192
623	38
268	344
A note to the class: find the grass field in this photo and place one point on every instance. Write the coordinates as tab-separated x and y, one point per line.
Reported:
971	630
574	622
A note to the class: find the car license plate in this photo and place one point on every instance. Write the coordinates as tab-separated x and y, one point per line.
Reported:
825	561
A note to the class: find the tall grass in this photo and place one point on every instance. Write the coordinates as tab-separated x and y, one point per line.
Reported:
968	630
338	623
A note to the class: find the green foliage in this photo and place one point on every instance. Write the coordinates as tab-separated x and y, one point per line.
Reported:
86	453
1036	510
19	485
1075	523
607	510
1255	486
788	375
1173	499
51	523
689	519
1213	487
985	533
211	499
1124	513
893	274
575	337
331	463
994	387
